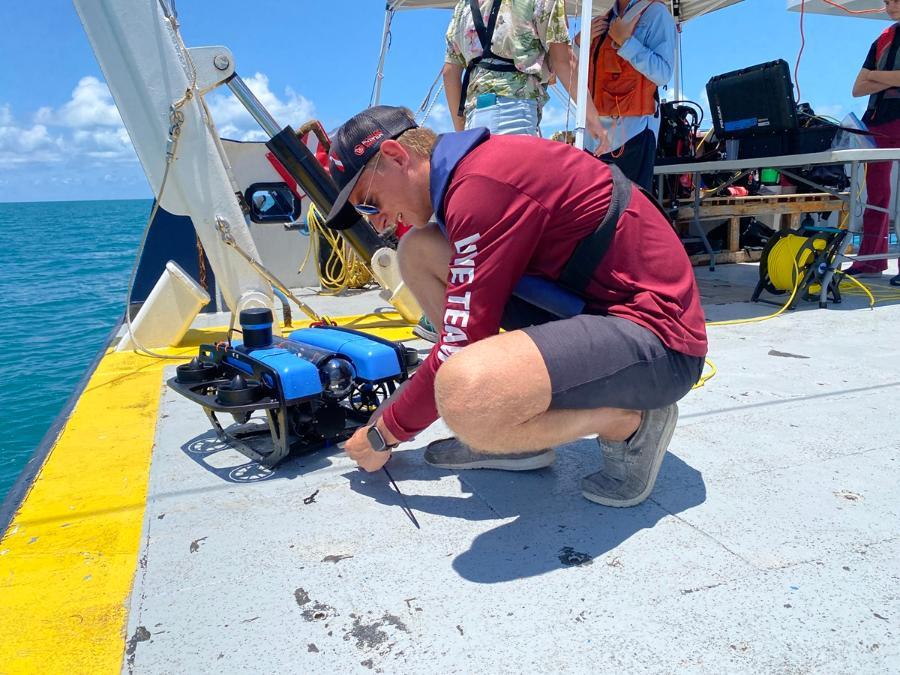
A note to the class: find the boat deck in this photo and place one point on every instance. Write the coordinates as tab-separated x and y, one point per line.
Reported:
770	543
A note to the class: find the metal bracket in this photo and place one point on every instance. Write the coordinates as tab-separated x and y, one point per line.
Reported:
214	65
277	428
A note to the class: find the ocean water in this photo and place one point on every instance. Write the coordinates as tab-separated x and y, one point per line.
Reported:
64	268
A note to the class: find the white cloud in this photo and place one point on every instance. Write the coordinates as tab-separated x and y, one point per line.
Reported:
91	105
86	127
22	145
83	142
555	118
254	135
233	120
25	140
439	118
110	144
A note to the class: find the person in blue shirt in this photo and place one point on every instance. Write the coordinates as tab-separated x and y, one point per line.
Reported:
632	55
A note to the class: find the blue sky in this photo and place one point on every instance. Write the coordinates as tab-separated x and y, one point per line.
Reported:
61	138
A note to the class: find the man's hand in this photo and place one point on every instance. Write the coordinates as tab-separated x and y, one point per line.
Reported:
595	129
620	30
599	26
360	451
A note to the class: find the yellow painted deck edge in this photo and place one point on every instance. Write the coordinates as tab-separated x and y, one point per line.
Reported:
70	554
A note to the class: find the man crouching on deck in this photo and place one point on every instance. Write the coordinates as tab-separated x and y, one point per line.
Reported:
521	217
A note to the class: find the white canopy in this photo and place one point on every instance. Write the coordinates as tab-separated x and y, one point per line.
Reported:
688	9
821	7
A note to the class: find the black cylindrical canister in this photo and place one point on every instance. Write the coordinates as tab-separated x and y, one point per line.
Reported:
256	325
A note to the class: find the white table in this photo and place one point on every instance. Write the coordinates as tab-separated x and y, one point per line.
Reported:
784	163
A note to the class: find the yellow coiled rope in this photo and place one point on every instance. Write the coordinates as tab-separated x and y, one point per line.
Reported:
343	269
788	259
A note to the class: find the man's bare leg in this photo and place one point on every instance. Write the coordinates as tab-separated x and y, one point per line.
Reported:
495	395
424	256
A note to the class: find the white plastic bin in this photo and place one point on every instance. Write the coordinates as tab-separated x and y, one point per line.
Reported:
167	313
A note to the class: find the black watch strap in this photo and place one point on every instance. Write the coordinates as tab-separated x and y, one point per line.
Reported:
377	440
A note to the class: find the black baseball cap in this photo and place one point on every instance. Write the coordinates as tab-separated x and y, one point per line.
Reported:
357	141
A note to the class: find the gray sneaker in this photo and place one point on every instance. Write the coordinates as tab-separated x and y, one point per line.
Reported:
426	330
451	453
630	468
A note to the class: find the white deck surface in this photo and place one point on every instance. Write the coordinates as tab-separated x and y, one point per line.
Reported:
770	543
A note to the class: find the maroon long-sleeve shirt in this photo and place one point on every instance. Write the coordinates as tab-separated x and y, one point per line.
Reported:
519	205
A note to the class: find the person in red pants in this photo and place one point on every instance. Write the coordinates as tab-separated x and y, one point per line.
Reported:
879	78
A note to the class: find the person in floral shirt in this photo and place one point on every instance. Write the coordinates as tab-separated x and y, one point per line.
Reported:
531	41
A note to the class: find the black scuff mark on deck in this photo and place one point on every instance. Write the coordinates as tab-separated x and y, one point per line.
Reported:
311	498
569	557
787	355
395	621
697	589
318	611
370	636
336	558
195	545
301	596
311	647
141	634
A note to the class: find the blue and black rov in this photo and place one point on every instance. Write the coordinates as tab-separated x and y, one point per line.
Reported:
316	386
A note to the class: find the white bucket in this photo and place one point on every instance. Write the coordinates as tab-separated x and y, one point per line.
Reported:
167	313
386	271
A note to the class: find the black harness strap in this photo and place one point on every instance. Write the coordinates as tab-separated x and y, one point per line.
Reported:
589	253
488	59
566	296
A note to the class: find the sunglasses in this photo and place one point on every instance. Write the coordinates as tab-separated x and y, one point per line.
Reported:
365	209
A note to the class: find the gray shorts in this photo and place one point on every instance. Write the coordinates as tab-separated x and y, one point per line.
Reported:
599	361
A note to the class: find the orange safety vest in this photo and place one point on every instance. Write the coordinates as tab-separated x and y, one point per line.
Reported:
618	88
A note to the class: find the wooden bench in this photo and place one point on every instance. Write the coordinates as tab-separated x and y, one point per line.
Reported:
735	208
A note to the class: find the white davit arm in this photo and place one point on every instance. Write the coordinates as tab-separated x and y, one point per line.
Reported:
148	70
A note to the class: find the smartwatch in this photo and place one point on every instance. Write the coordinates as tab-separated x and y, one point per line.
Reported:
376	440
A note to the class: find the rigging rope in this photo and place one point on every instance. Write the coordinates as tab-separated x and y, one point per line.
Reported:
343	268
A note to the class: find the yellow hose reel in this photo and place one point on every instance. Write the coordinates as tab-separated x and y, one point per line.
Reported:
800	259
